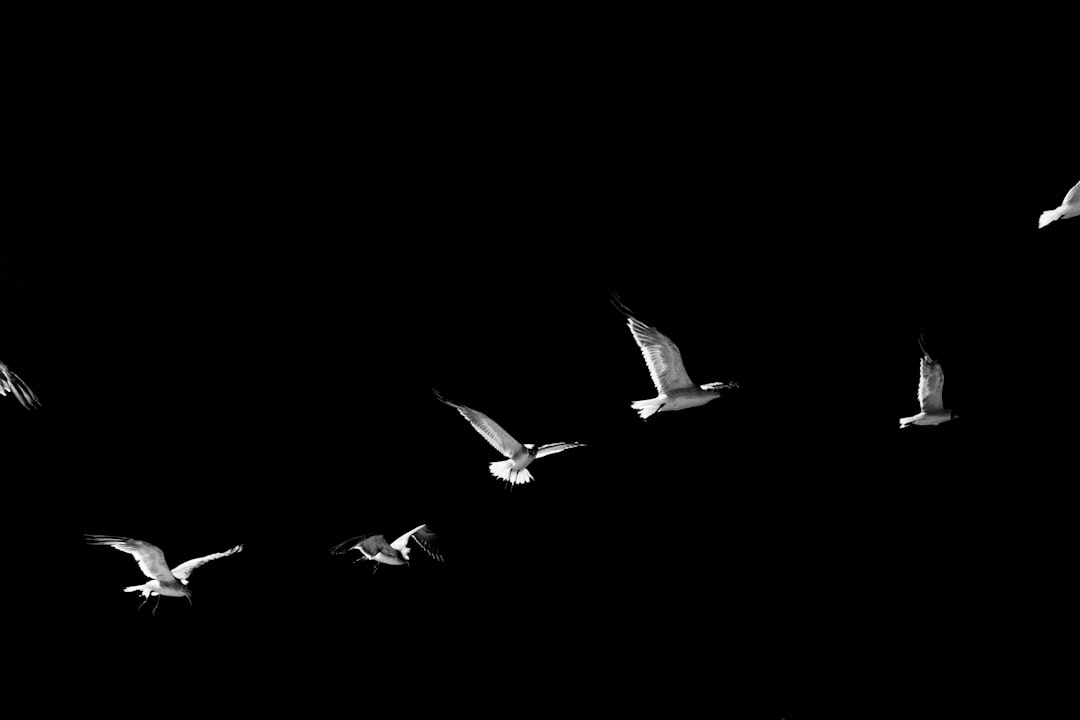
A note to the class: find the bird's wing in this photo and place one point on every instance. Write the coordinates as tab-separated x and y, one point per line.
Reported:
184	569
931	381
491	431
661	355
423	536
12	383
368	544
150	558
552	448
1073	197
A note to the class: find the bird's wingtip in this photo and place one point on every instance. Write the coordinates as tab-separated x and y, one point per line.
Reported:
101	539
619	305
343	547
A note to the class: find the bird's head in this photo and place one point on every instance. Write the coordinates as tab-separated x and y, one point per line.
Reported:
530	448
716	387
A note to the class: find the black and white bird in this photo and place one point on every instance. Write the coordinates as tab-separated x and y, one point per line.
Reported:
375	548
931	382
1070	207
163	581
674	389
521	456
12	383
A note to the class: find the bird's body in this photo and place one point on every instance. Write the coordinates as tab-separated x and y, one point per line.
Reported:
12	383
931	383
520	455
157	587
375	548
1070	207
163	581
674	389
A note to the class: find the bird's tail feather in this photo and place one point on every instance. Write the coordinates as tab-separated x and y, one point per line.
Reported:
1050	216
647	408
505	471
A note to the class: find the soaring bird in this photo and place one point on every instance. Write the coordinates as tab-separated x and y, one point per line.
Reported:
931	382
674	389
513	470
375	547
1070	207
163	581
12	383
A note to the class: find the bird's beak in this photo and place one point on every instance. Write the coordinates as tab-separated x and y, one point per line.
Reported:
189	600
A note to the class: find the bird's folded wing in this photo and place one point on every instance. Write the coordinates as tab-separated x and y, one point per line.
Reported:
488	428
150	557
184	569
552	448
10	382
931	380
423	536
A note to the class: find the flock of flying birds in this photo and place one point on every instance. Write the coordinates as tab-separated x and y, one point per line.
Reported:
675	391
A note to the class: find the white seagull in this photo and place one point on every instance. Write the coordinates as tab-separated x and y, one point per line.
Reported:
151	559
675	390
1070	207
931	382
375	547
513	470
12	383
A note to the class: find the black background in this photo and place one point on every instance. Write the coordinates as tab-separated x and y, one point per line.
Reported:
234	310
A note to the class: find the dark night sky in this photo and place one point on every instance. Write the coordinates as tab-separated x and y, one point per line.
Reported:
233	343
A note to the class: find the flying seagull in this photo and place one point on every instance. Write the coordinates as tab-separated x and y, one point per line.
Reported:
375	547
675	390
1070	207
931	382
513	470
163	581
12	383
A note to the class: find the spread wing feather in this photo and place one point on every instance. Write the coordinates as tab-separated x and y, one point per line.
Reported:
488	428
184	569
552	448
12	383
662	356
150	557
368	544
931	382
423	536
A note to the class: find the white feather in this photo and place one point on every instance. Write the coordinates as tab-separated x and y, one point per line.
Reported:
1070	207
